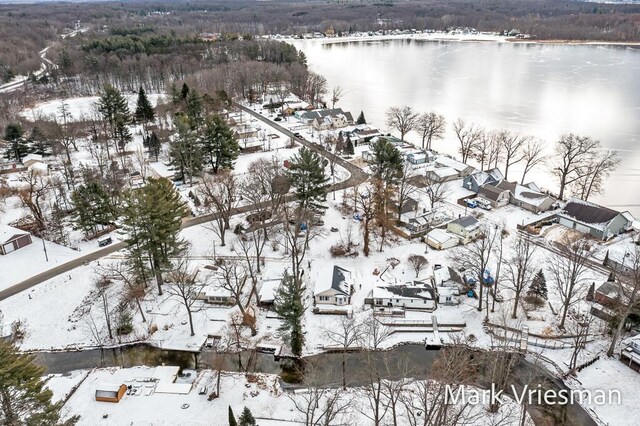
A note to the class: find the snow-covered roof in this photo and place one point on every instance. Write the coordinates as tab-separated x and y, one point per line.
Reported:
441	274
216	291
8	233
590	213
267	293
32	157
440	236
444	172
340	281
450	162
403	292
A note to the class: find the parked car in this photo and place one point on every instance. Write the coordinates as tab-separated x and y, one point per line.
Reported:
472	204
483	204
104	241
297	135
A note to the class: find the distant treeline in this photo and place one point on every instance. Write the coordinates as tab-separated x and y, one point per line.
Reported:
130	30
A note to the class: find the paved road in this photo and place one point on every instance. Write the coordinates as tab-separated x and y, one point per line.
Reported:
357	176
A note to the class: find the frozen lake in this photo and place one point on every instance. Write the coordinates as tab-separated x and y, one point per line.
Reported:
536	89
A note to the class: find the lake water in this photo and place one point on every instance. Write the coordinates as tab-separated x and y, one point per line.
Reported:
538	89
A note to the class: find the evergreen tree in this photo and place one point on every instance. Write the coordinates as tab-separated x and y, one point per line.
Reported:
246	418
349	149
144	111
176	96
24	400
194	109
219	144
185	91
64	61
186	151
340	144
387	161
92	207
232	418
151	220
361	119
14	135
538	286
153	144
40	143
289	306
306	174
114	108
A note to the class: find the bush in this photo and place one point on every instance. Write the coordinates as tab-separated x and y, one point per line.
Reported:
125	323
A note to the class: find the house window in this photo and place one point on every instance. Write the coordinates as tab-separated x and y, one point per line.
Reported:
378	301
324	298
425	301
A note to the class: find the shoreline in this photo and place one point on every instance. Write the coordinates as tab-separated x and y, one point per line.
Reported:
465	38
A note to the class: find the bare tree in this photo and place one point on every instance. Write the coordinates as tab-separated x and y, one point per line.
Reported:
501	361
33	193
573	155
402	119
475	257
125	272
482	149
183	284
345	335
596	171
319	406
567	269
374	333
233	277
533	154
405	188
296	240
219	194
520	268
578	328
431	126
377	404
629	291
418	262
336	95
468	136
512	148
495	153
437	190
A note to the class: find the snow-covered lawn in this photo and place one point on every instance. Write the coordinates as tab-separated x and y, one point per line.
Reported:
261	393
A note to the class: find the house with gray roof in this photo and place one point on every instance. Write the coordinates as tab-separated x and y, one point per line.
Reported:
528	196
413	295
598	221
474	181
339	291
309	117
466	228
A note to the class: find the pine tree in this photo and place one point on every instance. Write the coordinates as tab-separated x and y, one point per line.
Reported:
246	418
153	144
194	109
219	144
176	96
307	176
23	396
114	108
92	207
538	286
361	119
185	150
151	220
17	148
144	111
387	161
185	91
349	149
340	144
289	306
232	418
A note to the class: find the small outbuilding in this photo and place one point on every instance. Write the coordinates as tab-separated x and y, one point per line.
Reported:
110	392
12	239
440	239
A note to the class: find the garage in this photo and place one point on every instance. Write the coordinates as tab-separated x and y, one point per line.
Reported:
12	239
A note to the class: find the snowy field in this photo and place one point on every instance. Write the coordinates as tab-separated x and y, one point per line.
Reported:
80	107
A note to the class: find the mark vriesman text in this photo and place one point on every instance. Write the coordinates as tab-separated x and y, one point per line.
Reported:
455	394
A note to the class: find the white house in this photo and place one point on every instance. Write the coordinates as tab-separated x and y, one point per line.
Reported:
31	159
216	294
440	239
416	295
339	292
597	221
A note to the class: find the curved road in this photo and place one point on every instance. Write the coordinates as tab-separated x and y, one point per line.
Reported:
357	177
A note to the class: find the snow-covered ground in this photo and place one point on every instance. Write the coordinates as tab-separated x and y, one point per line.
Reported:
261	393
80	107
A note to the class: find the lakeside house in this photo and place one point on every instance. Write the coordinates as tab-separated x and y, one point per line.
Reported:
337	115
440	239
339	291
466	228
595	220
475	180
414	295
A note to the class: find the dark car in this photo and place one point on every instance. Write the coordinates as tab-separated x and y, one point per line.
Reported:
297	135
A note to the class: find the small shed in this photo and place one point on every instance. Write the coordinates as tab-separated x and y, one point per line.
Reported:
12	239
110	392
